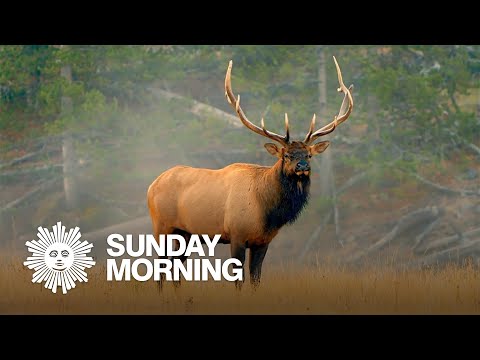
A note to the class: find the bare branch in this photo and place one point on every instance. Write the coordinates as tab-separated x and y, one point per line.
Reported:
425	232
407	221
446	189
474	147
32	170
453	254
29	195
23	158
447	241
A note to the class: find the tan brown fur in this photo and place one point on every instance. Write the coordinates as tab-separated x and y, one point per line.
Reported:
229	201
246	204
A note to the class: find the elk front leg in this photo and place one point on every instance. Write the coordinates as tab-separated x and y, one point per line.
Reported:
159	228
257	254
182	258
238	252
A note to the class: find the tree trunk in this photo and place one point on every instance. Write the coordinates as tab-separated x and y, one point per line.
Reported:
325	170
327	176
373	118
68	150
478	105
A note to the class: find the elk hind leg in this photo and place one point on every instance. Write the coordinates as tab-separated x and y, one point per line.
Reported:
160	228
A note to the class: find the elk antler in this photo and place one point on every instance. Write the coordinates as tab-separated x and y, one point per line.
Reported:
338	119
236	105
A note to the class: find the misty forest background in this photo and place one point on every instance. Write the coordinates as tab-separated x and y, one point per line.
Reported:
85	129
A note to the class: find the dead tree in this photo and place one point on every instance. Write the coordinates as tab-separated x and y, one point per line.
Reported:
68	149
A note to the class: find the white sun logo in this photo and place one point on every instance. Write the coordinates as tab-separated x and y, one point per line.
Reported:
59	258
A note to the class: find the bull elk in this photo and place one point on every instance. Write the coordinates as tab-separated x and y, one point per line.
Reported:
246	203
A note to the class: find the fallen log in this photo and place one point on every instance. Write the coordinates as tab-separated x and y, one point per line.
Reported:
29	195
448	190
199	108
22	159
474	147
34	144
406	222
428	229
454	254
30	171
446	241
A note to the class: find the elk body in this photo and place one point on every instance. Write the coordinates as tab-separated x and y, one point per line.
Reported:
246	203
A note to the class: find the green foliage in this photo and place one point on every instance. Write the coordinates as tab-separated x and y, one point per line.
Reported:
418	89
409	101
408	95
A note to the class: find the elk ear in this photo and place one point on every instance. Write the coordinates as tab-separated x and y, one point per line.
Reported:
274	150
319	147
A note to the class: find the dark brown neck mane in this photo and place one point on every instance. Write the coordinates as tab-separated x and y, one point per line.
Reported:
285	197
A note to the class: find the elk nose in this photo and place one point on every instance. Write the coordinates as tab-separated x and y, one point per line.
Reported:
302	165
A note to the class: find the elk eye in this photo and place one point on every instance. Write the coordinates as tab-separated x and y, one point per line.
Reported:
287	156
309	156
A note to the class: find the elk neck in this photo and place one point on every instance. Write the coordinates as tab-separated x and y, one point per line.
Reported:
284	196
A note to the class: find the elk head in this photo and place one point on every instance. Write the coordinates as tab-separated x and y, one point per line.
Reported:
295	155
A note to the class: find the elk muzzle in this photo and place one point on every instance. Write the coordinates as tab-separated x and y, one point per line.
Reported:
302	167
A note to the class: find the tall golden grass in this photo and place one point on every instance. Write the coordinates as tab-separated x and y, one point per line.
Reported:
284	290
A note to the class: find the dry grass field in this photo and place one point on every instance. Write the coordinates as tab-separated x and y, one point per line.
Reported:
316	290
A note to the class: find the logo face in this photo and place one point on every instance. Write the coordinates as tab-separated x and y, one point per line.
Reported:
59	258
